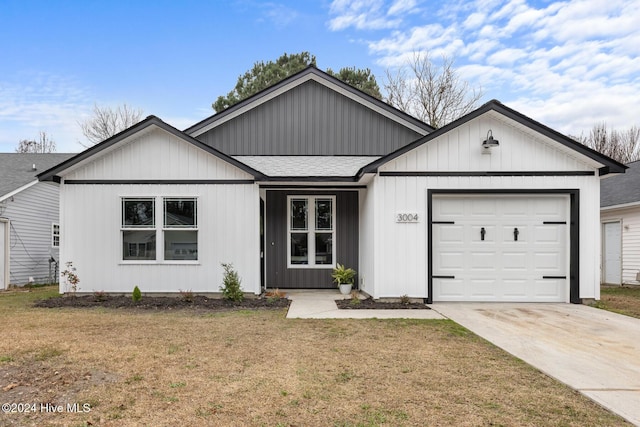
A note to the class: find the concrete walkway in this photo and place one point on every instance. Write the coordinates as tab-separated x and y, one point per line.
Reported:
320	304
593	351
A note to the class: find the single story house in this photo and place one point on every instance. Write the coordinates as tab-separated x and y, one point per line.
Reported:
29	226
620	218
312	172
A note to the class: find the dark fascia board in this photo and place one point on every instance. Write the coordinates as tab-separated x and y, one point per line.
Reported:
609	164
300	74
51	174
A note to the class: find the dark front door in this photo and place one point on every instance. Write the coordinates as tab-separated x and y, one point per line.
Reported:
307	233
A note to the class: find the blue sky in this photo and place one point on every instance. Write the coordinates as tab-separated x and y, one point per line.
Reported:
566	64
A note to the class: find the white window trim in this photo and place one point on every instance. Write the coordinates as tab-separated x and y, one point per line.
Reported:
54	234
311	230
159	229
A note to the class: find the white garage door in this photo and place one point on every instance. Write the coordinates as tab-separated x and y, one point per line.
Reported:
500	248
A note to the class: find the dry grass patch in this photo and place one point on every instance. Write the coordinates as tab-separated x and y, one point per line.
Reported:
620	299
257	368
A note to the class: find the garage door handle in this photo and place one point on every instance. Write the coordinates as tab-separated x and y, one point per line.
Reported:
515	234
482	233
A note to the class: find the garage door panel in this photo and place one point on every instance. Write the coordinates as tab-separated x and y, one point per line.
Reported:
514	288
501	268
549	289
549	263
482	261
515	262
483	288
447	262
446	233
551	233
452	289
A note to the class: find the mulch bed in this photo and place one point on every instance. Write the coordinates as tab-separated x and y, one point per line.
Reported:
371	304
163	303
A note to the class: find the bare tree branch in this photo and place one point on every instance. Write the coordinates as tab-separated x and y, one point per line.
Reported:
43	145
107	122
433	93
623	146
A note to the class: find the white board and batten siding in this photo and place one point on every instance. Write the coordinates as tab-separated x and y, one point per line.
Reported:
227	218
401	256
625	224
32	213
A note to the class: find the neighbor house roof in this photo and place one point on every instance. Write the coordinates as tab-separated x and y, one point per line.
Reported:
20	169
609	164
621	189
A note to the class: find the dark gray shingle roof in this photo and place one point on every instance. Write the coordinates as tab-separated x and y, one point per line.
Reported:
621	189
16	169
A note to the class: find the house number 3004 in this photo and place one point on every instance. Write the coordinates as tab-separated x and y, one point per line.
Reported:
407	217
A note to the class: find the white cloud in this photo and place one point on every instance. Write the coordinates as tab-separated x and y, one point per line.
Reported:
369	14
48	103
568	63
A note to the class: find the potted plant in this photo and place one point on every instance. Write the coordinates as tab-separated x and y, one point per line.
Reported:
344	277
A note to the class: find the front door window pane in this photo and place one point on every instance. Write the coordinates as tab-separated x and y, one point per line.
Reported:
299	248
324	221
323	248
139	245
299	214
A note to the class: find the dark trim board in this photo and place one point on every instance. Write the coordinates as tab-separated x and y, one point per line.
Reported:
158	181
314	187
492	173
574	232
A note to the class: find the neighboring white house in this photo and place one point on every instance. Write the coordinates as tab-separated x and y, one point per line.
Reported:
29	226
312	172
620	218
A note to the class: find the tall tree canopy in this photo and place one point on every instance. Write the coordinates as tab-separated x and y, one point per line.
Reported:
106	122
623	146
43	145
265	74
431	92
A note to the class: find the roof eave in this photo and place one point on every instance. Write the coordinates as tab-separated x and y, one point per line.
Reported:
52	174
609	165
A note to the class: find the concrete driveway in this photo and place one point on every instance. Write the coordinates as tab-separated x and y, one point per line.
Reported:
593	351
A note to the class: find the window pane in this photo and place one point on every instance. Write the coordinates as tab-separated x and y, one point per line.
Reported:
299	248
137	213
180	213
323	214
181	245
324	247
298	214
138	245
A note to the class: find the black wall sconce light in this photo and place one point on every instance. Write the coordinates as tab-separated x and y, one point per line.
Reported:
489	143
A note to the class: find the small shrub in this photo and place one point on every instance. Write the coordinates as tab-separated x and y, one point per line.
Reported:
404	299
71	278
186	296
354	298
231	284
136	296
99	295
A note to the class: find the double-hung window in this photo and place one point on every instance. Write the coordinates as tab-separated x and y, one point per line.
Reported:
138	229
55	235
180	229
141	235
311	231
